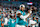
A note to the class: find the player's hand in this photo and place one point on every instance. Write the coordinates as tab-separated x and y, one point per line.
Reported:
18	14
28	11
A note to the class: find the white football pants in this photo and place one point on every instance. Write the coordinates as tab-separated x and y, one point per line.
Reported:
19	25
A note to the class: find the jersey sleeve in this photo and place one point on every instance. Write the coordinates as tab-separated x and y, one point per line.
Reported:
24	17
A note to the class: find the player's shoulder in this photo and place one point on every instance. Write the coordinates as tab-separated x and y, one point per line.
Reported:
10	19
18	11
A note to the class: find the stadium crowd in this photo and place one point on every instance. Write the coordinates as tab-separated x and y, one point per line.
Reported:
7	13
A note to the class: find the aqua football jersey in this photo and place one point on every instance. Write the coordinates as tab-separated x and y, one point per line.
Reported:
0	23
11	22
20	21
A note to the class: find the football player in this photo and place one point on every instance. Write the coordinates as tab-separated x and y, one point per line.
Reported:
11	22
21	16
32	22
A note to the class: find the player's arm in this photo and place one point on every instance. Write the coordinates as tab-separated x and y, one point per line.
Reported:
24	17
18	16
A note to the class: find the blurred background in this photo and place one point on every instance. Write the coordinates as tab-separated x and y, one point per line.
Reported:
13	5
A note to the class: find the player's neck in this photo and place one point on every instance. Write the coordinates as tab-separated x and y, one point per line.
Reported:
22	10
